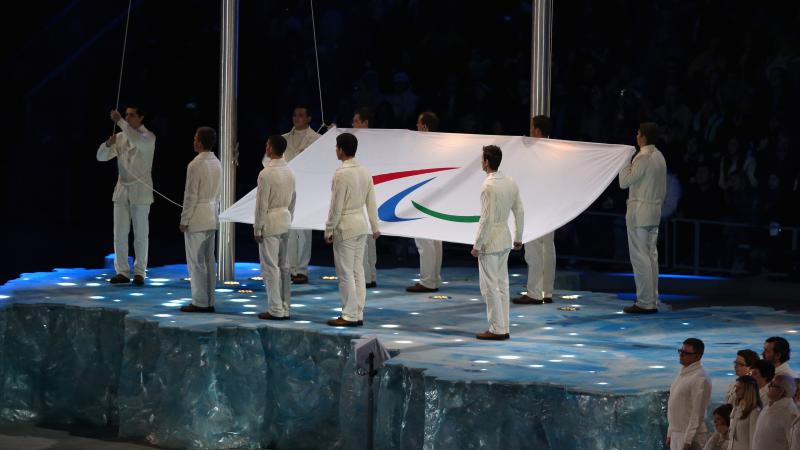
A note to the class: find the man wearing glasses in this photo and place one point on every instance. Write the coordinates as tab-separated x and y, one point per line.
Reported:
688	399
774	425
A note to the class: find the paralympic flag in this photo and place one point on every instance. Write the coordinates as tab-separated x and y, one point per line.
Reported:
427	185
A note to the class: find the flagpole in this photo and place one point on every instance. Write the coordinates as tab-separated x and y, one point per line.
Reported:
541	56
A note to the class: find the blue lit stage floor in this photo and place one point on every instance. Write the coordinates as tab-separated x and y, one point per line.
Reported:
593	367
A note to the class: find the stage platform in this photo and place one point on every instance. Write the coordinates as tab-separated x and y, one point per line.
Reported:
576	374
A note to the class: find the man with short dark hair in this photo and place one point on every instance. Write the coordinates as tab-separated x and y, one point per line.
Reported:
297	141
199	219
774	426
646	178
763	372
499	198
430	250
778	352
540	254
347	229
275	199
688	399
361	120
134	148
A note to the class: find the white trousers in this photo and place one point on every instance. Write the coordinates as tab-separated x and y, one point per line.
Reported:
642	246
200	247
124	213
348	255
299	251
430	262
272	252
540	255
493	270
370	259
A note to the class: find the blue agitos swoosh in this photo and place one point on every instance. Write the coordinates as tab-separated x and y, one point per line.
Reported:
386	212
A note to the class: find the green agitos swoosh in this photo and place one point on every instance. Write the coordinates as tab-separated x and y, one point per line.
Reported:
444	216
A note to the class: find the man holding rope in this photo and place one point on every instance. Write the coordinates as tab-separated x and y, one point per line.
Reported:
133	147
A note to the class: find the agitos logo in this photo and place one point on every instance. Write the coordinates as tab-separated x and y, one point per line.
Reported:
387	210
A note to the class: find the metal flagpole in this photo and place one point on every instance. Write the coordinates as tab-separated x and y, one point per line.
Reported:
541	55
226	238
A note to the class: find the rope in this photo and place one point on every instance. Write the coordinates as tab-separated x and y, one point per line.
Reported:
122	161
316	57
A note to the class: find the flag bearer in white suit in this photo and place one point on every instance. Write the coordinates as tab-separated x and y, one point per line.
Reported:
430	251
646	179
298	140
275	199
347	229
361	120
133	147
540	254
200	220
499	198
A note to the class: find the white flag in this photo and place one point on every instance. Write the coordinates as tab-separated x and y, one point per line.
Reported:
427	185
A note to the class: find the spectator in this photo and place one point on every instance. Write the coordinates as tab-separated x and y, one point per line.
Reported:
775	422
688	399
722	422
745	413
743	365
763	371
777	351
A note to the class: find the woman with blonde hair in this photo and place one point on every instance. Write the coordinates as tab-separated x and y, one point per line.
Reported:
745	413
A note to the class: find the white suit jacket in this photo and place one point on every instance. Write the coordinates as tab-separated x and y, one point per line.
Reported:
774	427
201	195
134	150
275	198
499	197
297	141
351	191
646	177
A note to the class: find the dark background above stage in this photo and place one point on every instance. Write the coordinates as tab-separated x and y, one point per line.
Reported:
723	79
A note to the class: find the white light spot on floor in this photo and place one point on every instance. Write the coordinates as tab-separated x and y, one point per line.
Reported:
508	357
520	316
136	294
620	312
250	306
403	342
317	298
438	328
535	366
575	306
514	274
415	279
791	331
341	328
684	323
621	328
96	297
655	367
514	324
171	321
376	292
481	361
163	315
554	360
93	284
223	290
571	297
65	278
603	351
395	332
249	312
337	309
156	284
414	313
390	325
458	340
297	305
730	374
238	300
573	334
171	305
602	383
474	299
159	280
117	300
3	297
580	345
66	284
302	321
547	328
566	356
255	269
445	282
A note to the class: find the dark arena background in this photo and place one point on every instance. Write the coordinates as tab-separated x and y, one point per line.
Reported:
84	364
